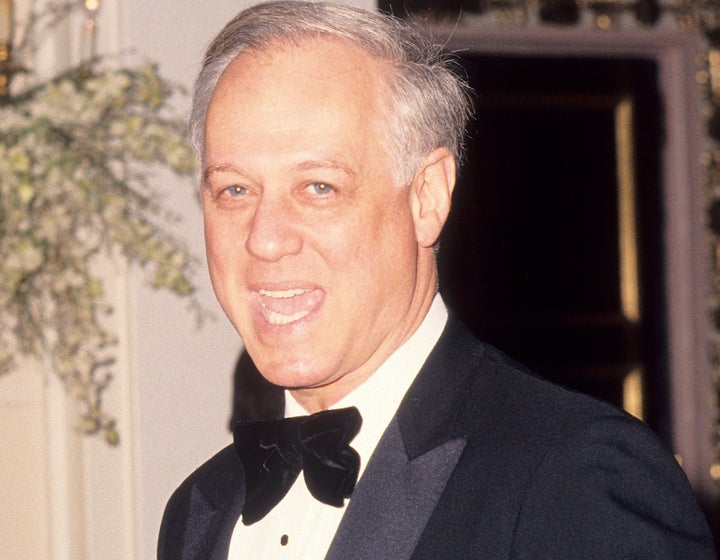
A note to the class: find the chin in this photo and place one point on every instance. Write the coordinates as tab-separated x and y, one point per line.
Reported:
291	377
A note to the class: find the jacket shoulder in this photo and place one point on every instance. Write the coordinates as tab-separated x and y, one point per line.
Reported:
548	472
204	499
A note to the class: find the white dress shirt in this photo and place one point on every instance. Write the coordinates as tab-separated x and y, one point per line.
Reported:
302	528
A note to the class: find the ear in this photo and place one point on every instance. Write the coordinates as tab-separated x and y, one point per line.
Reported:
431	195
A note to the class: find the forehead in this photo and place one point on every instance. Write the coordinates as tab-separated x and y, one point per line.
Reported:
313	74
318	99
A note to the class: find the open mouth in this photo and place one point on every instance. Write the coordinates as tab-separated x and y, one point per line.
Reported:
282	307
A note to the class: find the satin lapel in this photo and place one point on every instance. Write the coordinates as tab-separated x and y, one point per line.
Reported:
393	500
214	507
414	459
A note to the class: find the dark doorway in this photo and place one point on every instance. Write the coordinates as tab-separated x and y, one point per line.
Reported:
554	249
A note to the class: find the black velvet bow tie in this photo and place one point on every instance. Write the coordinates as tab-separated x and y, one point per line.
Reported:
273	453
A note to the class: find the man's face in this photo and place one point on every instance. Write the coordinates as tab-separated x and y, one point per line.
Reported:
311	247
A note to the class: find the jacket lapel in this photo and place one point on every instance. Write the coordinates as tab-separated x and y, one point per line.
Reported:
212	509
393	500
413	461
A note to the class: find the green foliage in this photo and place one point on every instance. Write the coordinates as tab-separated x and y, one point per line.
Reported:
76	157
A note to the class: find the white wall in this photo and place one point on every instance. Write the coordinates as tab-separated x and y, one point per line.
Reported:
181	375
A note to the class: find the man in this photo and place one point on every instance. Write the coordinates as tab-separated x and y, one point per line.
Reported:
328	138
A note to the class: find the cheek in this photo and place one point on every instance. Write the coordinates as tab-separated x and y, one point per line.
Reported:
352	250
393	235
370	253
223	245
224	233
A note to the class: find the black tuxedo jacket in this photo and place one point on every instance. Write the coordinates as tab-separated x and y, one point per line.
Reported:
482	461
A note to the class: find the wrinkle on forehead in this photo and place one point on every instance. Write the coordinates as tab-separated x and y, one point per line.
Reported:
349	60
307	69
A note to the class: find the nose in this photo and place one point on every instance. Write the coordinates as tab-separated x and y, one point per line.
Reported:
273	231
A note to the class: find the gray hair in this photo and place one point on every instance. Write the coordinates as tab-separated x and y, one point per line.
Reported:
429	103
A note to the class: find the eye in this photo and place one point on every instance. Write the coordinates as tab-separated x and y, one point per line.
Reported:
320	188
236	190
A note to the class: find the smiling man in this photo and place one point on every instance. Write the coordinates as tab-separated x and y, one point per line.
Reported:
329	138
311	245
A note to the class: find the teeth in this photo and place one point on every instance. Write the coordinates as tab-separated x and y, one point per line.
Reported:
279	319
282	294
274	317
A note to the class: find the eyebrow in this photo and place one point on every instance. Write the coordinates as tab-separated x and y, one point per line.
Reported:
325	164
220	168
302	166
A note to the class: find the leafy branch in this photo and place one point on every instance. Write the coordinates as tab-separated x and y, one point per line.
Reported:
76	158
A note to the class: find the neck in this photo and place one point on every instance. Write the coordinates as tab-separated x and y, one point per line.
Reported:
316	399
